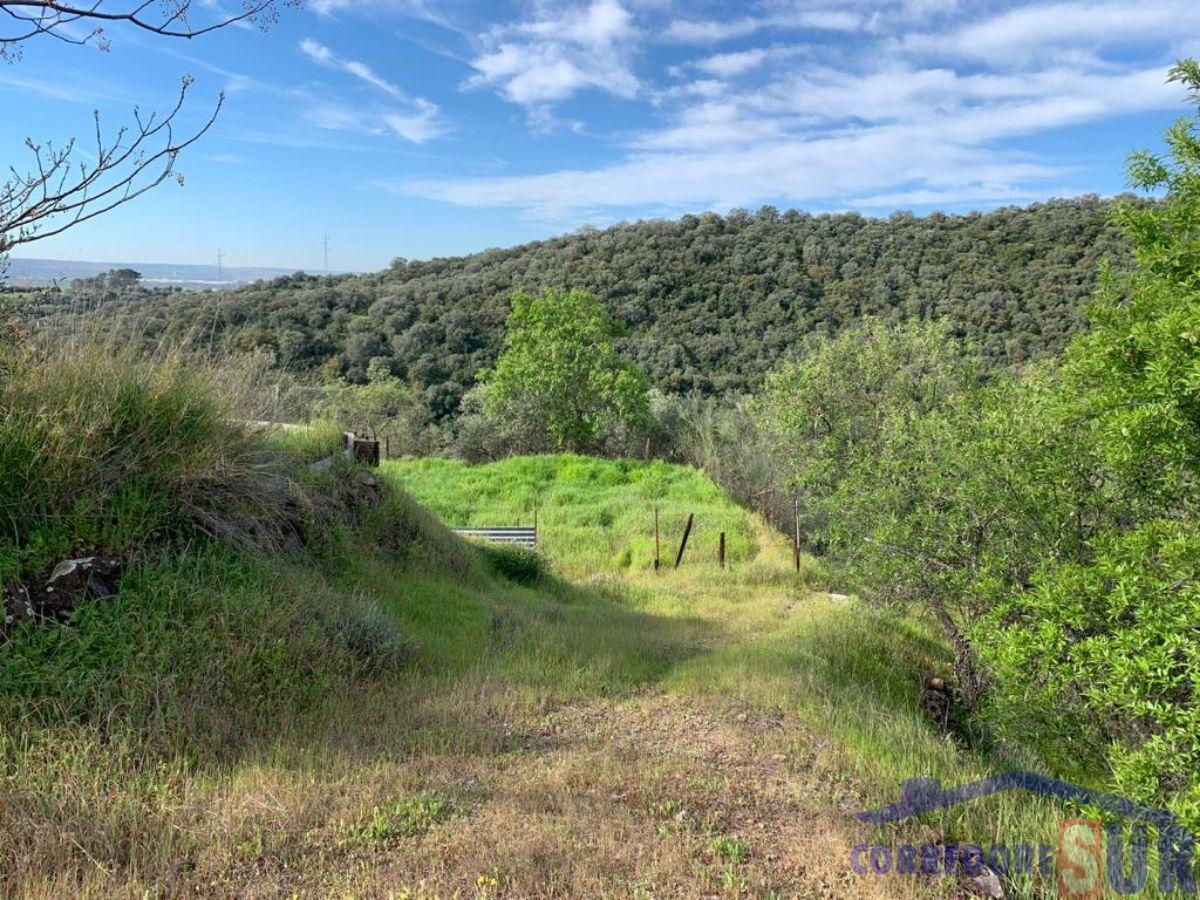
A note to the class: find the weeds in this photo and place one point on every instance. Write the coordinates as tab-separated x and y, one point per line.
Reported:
384	826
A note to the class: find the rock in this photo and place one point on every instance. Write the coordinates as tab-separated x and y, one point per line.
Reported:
988	885
18	607
69	583
322	465
938	702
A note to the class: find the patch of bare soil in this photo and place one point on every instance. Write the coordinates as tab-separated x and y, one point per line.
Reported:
652	797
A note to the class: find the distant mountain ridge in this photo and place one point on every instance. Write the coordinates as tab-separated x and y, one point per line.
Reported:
706	303
34	272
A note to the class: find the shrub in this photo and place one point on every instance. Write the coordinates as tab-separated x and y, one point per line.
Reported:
369	635
516	564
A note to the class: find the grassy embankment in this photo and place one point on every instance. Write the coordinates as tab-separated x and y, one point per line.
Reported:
305	685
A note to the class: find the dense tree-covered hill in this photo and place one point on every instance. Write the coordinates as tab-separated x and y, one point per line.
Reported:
709	302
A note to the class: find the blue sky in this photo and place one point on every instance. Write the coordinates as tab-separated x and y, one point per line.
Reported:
417	129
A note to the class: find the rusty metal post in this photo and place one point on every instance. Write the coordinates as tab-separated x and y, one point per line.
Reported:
721	550
687	530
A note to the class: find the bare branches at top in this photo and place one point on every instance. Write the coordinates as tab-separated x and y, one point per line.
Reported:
82	23
60	192
70	184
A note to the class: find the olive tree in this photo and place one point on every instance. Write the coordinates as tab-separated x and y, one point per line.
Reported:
559	378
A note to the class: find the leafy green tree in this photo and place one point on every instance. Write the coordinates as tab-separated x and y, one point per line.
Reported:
711	303
384	409
928	485
560	374
1111	642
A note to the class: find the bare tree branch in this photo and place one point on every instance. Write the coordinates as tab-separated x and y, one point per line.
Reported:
59	193
82	23
60	190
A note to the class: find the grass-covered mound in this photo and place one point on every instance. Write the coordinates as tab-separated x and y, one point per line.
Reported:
592	514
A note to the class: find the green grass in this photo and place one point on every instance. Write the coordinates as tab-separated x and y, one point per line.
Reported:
247	709
756	634
592	514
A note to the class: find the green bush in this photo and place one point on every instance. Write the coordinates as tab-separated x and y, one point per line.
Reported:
516	564
369	635
1110	638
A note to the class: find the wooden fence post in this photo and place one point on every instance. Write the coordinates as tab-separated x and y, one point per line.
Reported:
657	555
796	532
687	530
721	550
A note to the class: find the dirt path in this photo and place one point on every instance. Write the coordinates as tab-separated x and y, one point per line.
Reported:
651	797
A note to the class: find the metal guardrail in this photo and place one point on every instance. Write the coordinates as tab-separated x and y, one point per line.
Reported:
524	535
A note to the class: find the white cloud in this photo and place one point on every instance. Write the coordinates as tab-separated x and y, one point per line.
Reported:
562	50
421	125
895	102
965	193
322	55
727	65
1053	29
714	124
227	159
826	168
829	136
417	119
712	31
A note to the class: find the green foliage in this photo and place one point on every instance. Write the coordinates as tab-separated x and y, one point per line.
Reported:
836	406
384	409
1110	637
407	818
196	650
1046	519
516	564
560	375
706	303
1103	656
362	629
727	849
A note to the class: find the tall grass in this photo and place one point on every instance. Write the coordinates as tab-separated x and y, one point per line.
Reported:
593	514
103	448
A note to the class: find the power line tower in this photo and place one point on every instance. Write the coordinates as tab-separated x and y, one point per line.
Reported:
220	268
326	253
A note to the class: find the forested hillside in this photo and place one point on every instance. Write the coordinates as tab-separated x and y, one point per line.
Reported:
708	303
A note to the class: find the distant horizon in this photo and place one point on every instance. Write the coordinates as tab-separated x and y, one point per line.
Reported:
283	270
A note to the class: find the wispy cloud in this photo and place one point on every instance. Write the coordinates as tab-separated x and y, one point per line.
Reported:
322	55
1062	30
726	65
416	119
712	31
896	117
226	159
